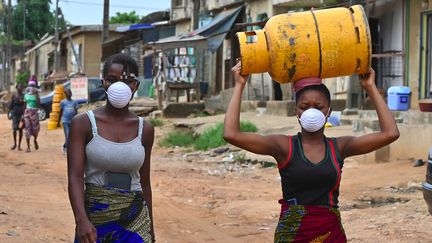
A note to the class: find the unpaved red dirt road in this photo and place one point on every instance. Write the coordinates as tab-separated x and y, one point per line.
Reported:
200	197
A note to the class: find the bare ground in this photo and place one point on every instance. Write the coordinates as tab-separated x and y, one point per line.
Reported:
206	197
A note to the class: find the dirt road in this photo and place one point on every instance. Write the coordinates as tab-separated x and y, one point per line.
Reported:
205	197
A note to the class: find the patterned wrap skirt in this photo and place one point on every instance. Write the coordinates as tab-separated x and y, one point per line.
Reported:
118	215
31	120
308	223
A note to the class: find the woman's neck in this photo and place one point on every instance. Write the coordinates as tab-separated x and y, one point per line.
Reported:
115	112
313	138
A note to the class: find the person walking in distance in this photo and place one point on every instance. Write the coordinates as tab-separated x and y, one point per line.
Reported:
68	109
310	163
31	117
16	108
108	157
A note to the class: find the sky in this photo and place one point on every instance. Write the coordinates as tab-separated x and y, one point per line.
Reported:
82	12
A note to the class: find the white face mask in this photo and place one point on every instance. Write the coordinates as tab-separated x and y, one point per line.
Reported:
312	120
119	94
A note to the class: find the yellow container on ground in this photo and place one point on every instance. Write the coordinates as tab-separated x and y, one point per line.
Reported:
54	116
322	43
55	107
52	125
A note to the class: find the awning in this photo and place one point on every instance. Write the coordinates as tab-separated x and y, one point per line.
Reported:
214	32
134	27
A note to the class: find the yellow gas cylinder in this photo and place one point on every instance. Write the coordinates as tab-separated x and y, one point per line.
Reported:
317	43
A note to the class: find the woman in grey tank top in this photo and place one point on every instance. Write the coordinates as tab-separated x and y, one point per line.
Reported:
109	163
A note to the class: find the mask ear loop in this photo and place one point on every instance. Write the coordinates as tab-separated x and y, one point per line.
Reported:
328	112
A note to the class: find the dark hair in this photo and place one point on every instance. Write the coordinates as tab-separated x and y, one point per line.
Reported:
129	64
320	87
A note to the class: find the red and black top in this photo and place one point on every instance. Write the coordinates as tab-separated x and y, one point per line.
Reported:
307	183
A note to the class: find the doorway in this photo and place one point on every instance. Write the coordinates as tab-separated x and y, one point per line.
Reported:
426	56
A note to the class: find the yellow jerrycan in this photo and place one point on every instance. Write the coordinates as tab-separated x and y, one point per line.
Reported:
317	43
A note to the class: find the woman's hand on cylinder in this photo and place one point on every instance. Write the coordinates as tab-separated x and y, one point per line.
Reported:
367	80
236	72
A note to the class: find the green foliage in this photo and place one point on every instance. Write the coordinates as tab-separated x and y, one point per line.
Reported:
125	18
22	77
32	19
240	157
246	126
213	137
210	138
156	122
181	139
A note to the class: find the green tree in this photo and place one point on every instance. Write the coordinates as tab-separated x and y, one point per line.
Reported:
125	18
32	19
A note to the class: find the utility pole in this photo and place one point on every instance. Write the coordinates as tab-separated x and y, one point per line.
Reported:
3	47
24	20
195	14
56	38
105	28
7	67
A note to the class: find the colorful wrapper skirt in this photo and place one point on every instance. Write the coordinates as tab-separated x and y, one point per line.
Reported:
118	215
31	120
307	223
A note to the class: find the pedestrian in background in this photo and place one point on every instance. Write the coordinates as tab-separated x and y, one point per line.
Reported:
16	109
68	109
310	164
34	88
109	152
31	117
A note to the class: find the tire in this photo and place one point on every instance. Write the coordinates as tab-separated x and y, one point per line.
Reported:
42	114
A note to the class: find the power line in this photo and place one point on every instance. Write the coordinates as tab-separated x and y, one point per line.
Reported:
112	5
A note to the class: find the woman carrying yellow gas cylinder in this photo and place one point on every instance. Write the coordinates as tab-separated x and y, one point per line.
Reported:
310	163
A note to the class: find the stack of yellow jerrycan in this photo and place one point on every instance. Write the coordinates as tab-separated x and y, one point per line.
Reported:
55	109
316	43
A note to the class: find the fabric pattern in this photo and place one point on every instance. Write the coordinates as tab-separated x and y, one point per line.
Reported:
305	223
118	215
31	120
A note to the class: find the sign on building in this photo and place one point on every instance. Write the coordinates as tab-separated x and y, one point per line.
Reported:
79	88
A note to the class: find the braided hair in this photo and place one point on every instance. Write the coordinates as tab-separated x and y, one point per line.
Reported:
129	64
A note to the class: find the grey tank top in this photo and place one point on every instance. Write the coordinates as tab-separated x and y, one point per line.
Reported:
104	155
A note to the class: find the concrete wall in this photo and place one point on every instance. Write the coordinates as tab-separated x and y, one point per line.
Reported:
92	53
77	40
255	7
337	86
38	61
183	27
43	68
